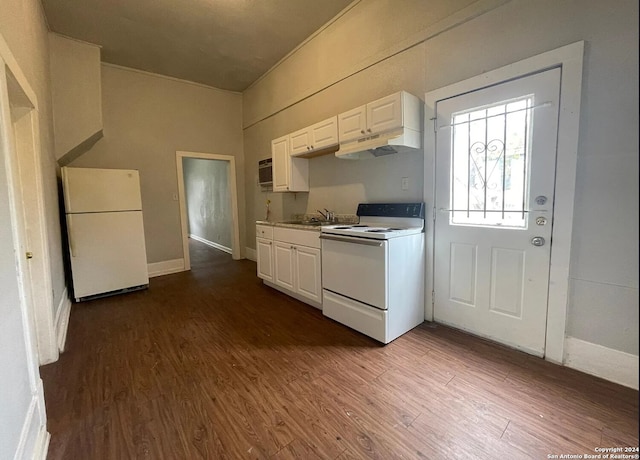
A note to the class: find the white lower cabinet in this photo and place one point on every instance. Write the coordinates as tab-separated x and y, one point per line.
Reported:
284	265
264	258
291	262
307	271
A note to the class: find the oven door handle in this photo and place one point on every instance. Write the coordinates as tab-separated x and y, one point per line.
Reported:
352	240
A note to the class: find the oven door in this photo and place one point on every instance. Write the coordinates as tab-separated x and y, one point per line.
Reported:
356	268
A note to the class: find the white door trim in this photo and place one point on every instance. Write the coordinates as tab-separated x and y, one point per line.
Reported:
235	233
43	314
569	58
33	438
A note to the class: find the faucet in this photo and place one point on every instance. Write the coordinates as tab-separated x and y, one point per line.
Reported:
329	216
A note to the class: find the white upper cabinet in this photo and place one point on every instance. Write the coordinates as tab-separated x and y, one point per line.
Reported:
289	174
386	114
352	124
280	154
300	141
313	138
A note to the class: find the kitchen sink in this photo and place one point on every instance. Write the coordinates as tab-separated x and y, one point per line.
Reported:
315	223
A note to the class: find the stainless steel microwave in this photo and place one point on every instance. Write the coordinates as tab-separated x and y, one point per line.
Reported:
265	172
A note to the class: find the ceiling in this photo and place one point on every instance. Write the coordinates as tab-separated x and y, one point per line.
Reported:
227	44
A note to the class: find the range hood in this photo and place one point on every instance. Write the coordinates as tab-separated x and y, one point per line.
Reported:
401	140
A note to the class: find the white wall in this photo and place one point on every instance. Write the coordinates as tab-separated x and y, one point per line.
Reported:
381	46
76	92
23	26
23	37
147	118
208	199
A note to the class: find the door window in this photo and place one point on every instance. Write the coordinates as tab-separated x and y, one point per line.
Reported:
489	164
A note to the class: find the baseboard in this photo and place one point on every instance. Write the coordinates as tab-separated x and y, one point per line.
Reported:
42	444
62	319
34	439
166	267
607	363
251	254
210	243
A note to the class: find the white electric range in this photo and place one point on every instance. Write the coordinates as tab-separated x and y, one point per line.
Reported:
373	271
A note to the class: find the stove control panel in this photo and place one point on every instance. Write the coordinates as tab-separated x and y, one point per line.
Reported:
391	210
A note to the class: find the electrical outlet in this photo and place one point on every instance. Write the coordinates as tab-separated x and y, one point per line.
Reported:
405	183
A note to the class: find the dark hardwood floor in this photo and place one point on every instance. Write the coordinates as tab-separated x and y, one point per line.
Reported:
212	364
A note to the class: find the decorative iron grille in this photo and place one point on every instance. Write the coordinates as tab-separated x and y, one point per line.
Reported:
489	164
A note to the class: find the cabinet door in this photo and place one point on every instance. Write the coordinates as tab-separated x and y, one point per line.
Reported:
264	252
284	260
308	273
384	114
352	124
324	134
281	164
299	142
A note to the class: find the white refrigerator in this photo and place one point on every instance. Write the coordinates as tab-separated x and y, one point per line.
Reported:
106	235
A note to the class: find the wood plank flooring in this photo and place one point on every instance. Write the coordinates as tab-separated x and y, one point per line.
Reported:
212	364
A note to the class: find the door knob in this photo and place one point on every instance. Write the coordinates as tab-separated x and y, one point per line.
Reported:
29	255
537	241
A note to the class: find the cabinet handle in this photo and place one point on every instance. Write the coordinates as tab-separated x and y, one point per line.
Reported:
308	148
369	129
311	148
362	131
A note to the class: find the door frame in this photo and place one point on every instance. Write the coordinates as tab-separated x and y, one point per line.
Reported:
184	218
47	334
569	59
34	438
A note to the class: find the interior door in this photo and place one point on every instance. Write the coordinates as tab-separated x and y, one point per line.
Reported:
495	172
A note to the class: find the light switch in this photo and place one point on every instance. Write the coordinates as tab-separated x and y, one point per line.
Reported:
405	183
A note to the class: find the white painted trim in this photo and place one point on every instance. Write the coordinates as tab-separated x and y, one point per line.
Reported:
12	64
210	243
569	58
166	267
9	68
31	425
607	363
233	189
62	320
41	302
42	444
251	254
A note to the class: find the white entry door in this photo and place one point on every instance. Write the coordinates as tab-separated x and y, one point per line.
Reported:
495	173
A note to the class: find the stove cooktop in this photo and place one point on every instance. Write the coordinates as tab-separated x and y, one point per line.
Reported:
374	231
382	221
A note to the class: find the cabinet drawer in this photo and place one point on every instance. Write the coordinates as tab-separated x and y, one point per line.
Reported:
264	231
310	238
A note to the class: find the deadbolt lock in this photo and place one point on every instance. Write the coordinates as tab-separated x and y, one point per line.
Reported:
537	241
540	200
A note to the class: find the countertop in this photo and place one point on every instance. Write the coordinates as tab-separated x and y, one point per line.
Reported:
339	219
286	224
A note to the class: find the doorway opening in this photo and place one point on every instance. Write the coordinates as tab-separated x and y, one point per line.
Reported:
208	204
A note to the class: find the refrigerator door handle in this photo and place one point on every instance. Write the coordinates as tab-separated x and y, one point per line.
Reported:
70	235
